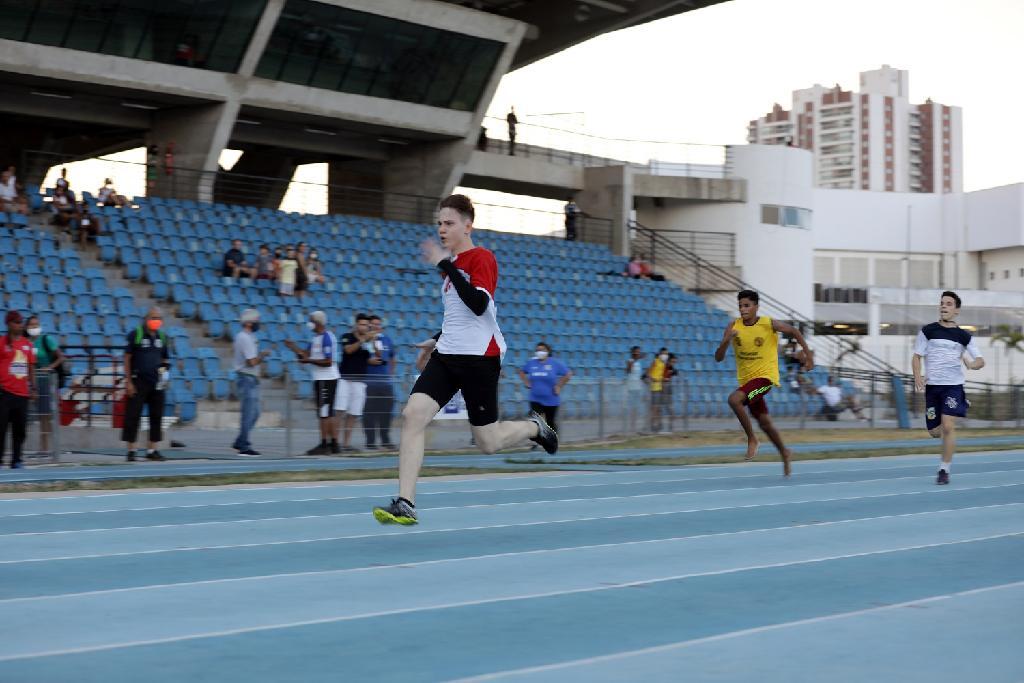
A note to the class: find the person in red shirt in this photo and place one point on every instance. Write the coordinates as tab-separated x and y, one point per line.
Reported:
17	384
465	355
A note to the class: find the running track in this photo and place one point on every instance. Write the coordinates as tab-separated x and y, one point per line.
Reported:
854	570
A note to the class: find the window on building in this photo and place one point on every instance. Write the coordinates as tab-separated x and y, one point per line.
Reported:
769	214
992	275
337	48
1021	272
1006	274
205	35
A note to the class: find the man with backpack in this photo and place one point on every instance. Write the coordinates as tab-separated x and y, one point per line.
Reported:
147	362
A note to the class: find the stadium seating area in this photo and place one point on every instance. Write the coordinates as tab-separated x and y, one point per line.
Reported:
549	290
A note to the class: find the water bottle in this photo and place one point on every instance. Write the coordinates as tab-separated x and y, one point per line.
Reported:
163	379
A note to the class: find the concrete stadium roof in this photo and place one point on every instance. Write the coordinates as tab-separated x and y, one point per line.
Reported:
558	24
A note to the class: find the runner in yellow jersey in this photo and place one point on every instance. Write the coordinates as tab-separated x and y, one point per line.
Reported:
755	342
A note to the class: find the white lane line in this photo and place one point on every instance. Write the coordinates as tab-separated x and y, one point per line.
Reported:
570	520
491	556
645	482
478	506
867	463
730	635
488	601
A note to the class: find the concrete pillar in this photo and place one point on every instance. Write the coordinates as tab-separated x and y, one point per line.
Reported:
198	134
258	178
874	322
417	177
260	37
608	193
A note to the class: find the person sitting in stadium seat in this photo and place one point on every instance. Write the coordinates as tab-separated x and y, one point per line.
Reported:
266	264
63	207
108	196
85	224
10	198
234	262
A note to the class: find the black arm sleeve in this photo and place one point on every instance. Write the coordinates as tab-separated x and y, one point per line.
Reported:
474	298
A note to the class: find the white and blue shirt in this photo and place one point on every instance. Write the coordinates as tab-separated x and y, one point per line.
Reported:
544	375
324	347
942	349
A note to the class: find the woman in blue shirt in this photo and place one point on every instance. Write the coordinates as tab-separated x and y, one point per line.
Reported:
545	376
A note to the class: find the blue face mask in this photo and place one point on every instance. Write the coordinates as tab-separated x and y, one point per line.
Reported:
255	327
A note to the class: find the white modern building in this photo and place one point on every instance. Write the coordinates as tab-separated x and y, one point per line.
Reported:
868	263
874	139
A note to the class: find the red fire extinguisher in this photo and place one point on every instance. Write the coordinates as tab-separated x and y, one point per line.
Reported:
169	159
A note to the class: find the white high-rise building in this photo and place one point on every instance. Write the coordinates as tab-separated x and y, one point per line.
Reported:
871	140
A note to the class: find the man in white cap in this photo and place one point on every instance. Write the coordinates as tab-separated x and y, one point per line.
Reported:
322	357
248	358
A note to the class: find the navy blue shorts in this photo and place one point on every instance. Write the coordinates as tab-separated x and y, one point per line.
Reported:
943	399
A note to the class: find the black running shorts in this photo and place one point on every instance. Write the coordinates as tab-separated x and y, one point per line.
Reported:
324	391
476	376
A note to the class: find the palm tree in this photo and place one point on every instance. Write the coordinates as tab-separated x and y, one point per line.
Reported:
1012	339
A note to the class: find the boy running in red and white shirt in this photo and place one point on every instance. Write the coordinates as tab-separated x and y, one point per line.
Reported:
465	355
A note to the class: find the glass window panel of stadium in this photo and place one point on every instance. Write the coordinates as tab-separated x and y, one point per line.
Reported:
330	47
207	34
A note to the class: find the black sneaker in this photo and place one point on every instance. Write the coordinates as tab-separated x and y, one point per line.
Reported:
388	447
335	448
398	512
319	449
546	436
249	453
130	457
155	456
942	478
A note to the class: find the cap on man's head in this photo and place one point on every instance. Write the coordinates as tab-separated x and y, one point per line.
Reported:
318	317
250	315
14	317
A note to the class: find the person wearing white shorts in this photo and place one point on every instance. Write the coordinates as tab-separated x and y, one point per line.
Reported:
351	397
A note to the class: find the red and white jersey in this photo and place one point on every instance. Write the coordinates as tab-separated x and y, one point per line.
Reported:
464	332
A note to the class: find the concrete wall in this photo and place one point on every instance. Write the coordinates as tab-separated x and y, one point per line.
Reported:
995	217
1003	269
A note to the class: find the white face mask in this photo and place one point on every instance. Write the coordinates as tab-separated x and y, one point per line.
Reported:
34	331
311	325
663	357
540	355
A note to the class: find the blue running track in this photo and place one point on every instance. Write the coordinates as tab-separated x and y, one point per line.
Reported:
852	570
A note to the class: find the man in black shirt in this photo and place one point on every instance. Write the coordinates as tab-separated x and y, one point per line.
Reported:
234	262
147	361
358	346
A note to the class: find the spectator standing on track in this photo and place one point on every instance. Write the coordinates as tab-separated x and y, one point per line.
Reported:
49	358
668	391
147	363
656	384
17	385
248	358
635	389
380	393
545	376
321	355
358	347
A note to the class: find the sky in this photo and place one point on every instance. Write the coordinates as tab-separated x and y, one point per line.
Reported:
699	77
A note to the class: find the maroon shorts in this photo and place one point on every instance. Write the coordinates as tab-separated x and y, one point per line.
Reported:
753	395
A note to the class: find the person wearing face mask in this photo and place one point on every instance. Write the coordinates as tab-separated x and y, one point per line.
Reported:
322	358
17	385
49	357
147	362
248	358
545	376
314	268
656	379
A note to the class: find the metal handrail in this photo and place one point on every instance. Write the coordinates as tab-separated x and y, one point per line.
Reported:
709	272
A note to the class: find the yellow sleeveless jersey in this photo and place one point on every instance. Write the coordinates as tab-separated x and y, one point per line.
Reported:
757	351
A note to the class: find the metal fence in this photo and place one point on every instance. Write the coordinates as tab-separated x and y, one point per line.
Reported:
205	414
